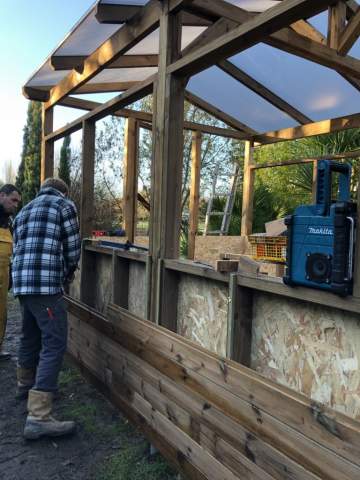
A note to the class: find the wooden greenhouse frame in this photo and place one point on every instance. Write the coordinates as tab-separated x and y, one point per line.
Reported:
210	416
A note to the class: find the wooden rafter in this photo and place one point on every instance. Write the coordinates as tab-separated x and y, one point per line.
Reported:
298	40
67	62
263	92
217	113
119	43
350	34
112	13
145	118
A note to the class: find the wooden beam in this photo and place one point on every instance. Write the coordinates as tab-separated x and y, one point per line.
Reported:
352	7
68	62
248	190
35	93
108	108
194	192
217	113
87	179
263	92
350	34
336	23
145	118
112	13
47	147
130	169
247	35
297	40
239	333
120	42
316	128
166	178
298	161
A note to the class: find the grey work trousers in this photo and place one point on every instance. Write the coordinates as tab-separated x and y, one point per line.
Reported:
44	338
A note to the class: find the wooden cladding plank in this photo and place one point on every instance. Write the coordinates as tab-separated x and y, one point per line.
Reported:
194	192
120	280
349	35
184	408
47	147
87	178
315	437
246	35
130	169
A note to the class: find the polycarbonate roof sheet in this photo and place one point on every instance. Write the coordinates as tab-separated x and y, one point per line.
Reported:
316	91
230	96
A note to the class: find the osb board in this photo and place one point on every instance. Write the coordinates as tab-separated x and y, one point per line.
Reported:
103	291
137	289
202	312
312	349
209	248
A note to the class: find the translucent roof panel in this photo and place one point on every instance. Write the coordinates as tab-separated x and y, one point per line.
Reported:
316	91
230	96
123	75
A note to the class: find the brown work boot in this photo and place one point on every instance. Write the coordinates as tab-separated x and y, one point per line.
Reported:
25	381
39	422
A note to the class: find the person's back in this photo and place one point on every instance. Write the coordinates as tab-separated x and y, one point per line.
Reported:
46	244
46	253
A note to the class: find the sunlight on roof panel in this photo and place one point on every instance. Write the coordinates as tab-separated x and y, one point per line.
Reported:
227	94
316	91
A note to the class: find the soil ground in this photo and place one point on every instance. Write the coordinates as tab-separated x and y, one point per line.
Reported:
105	447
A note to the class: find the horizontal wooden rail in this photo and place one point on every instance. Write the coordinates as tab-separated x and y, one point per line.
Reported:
283	163
192	397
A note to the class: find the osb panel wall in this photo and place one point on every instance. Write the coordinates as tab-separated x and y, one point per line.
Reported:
312	349
202	312
103	291
137	289
209	248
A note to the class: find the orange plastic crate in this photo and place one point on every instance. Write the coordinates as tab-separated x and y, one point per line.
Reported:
267	248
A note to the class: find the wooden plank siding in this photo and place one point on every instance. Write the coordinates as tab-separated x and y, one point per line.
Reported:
179	389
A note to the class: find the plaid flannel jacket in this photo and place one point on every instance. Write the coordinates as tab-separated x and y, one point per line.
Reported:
46	244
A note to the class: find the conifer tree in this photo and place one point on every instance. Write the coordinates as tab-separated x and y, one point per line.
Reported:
65	156
28	177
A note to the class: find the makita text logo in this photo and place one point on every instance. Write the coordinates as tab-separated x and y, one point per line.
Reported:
321	231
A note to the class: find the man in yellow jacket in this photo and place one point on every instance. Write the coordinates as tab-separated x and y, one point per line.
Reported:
9	202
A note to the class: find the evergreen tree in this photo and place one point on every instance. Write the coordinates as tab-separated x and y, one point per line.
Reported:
65	156
28	177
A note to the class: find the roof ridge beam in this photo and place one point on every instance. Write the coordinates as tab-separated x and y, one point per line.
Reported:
263	91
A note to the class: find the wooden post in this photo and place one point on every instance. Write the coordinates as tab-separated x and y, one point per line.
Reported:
87	178
239	332
336	23
47	148
167	162
130	177
248	190
120	281
194	192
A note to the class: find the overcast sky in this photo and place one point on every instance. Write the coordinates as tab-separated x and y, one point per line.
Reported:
30	30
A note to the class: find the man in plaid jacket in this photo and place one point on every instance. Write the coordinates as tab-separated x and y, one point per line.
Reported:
46	254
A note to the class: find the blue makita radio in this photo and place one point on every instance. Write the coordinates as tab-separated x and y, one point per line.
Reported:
321	237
